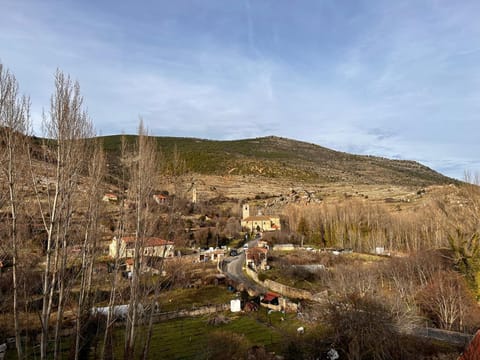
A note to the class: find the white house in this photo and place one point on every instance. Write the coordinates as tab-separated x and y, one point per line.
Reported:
212	254
152	246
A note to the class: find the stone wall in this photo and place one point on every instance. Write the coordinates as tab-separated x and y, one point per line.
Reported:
288	291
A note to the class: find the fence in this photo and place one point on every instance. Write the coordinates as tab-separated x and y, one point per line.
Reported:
203	310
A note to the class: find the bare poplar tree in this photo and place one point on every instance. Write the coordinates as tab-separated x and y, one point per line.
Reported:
176	171
120	230
96	169
14	123
67	128
143	179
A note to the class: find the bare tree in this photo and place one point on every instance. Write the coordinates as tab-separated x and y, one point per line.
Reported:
67	128
14	123
176	172
361	281
95	176
119	232
363	328
447	300
143	180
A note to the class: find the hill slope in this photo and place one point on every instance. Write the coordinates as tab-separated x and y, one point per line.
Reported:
280	158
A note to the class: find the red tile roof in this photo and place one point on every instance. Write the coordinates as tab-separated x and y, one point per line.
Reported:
269	296
256	250
160	197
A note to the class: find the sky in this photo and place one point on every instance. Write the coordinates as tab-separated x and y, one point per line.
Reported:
397	79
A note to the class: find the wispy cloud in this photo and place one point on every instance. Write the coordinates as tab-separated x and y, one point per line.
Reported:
395	79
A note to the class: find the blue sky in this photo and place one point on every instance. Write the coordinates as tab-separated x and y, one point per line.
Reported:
399	79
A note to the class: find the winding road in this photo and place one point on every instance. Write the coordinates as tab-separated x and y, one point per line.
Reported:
233	268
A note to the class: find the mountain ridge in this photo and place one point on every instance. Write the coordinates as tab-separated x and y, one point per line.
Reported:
283	158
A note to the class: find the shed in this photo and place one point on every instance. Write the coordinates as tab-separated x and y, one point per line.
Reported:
271	297
235	305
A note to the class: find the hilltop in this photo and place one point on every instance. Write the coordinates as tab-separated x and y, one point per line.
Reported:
285	159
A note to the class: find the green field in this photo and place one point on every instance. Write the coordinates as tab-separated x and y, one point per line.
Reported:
195	338
179	299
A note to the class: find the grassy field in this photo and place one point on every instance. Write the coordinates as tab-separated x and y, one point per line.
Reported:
179	299
196	338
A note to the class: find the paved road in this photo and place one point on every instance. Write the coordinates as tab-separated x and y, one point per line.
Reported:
233	268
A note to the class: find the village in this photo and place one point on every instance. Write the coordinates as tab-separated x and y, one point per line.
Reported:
249	257
111	250
244	268
261	266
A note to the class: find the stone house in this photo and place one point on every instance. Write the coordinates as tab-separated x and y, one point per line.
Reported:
256	258
152	246
259	223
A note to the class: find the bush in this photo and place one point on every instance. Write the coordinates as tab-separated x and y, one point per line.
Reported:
262	276
448	302
363	328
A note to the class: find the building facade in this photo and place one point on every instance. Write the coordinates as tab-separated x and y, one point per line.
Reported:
152	246
258	223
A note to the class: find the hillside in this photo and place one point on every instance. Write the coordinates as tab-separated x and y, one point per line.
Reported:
284	159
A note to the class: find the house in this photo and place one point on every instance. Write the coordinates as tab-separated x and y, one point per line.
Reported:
129	265
271	301
110	197
256	258
259	223
212	254
152	246
160	199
